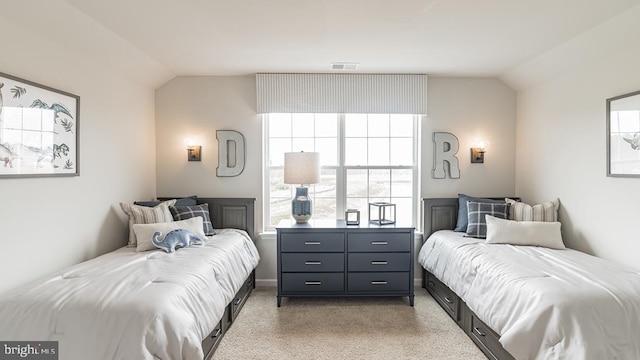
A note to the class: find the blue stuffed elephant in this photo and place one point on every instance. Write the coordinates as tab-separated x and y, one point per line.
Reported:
176	239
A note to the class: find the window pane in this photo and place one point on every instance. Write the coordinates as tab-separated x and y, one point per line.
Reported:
327	186
277	148
379	183
357	183
401	151
324	209
355	125
402	182
378	151
401	125
279	209
359	204
404	211
303	144
279	125
302	125
326	125
355	152
328	149
378	125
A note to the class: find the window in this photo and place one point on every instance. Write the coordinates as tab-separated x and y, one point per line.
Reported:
364	158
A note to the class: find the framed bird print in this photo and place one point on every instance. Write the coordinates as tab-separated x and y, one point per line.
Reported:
623	135
38	130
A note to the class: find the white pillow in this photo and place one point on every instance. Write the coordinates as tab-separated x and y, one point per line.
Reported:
146	215
536	233
144	232
520	211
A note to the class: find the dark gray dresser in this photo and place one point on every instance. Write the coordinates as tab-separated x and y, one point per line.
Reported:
329	258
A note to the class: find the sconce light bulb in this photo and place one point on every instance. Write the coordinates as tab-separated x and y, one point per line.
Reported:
188	142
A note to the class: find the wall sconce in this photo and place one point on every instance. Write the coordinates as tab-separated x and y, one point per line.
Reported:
477	153
193	151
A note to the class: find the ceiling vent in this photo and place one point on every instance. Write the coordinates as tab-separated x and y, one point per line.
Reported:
344	66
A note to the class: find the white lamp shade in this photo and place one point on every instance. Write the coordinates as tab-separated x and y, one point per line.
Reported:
301	168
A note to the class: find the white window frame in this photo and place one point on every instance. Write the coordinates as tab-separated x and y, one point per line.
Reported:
341	171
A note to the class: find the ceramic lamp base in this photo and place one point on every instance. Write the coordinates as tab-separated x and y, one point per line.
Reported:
301	205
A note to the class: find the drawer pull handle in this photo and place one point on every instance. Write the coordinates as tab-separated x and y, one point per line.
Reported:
313	282
478	331
431	284
448	299
378	263
237	302
378	283
218	331
379	243
313	262
313	243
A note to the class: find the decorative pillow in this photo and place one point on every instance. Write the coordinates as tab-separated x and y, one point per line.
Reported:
187	212
535	233
477	216
186	201
146	215
463	214
520	211
144	232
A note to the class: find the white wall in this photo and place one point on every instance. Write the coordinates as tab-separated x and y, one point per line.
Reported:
50	223
561	142
471	108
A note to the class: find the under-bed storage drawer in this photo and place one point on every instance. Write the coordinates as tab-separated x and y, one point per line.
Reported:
487	340
241	297
210	343
445	296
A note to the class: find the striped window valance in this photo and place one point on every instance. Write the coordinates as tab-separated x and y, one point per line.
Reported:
342	93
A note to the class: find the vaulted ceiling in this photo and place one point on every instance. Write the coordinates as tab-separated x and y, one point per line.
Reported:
156	40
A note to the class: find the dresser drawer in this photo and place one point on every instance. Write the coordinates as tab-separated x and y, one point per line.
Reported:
379	262
312	242
379	241
313	283
487	340
378	282
443	295
312	262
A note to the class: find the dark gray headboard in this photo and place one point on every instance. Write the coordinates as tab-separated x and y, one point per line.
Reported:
236	213
442	213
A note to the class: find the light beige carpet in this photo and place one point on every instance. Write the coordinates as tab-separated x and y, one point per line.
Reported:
344	328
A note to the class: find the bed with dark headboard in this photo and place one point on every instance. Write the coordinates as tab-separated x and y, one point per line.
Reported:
229	213
548	302
136	302
442	214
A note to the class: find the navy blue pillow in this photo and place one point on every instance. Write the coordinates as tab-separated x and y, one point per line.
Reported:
463	212
187	201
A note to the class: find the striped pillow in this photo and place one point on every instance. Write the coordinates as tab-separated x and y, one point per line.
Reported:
187	212
146	215
547	212
477	216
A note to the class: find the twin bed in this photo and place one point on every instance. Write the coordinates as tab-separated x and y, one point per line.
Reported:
529	302
143	305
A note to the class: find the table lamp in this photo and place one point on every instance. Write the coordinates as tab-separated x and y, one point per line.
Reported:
301	168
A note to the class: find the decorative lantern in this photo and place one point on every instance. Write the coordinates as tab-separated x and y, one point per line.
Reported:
352	216
382	213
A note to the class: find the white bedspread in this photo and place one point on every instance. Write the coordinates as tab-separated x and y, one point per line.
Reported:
129	305
546	304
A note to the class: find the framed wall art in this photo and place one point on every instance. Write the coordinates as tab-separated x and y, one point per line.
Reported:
623	135
38	130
